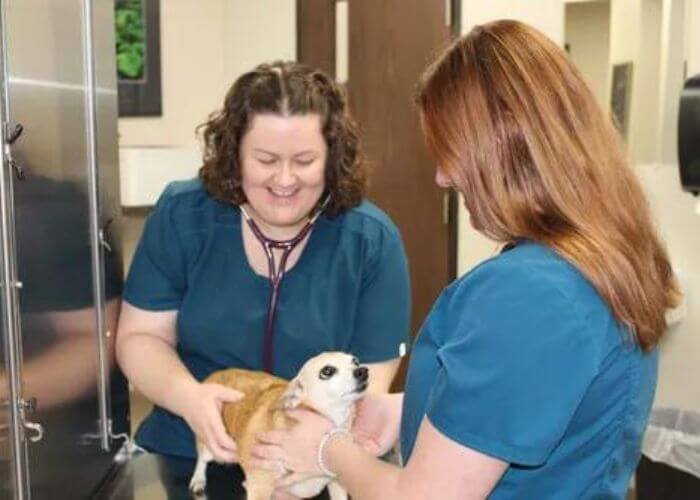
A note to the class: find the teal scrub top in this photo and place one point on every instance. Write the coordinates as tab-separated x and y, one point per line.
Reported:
349	291
523	361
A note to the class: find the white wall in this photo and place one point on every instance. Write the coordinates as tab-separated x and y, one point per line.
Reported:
205	46
587	33
692	39
671	77
680	228
545	15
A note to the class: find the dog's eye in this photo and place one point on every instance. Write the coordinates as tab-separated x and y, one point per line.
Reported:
327	372
355	361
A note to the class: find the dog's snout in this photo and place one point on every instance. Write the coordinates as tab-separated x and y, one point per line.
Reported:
361	373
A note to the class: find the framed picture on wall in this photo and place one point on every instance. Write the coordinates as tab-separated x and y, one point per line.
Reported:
137	39
620	95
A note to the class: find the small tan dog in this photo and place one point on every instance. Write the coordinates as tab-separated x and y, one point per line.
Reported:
329	384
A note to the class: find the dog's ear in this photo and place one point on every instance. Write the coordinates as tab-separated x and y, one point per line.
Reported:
293	396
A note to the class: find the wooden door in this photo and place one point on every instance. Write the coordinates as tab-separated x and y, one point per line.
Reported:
390	43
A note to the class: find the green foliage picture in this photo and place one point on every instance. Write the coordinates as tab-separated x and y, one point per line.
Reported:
130	39
137	44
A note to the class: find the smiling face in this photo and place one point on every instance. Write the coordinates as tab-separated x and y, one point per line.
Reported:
283	160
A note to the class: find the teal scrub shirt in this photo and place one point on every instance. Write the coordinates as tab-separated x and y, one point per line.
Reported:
349	291
523	361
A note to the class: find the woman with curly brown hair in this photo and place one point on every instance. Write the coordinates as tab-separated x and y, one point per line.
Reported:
269	258
534	374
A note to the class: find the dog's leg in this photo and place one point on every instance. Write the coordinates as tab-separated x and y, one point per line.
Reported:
337	492
198	483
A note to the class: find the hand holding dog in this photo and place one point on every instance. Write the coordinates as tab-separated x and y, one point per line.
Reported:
202	407
376	429
377	422
295	448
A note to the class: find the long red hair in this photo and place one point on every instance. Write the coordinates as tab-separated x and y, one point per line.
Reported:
511	121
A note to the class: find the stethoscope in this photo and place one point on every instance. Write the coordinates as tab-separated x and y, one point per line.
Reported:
277	273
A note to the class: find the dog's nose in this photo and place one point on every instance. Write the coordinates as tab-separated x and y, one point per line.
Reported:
361	373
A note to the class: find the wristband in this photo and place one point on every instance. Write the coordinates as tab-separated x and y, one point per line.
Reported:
322	445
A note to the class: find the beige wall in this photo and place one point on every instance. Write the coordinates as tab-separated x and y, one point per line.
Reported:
692	39
679	224
671	77
205	46
680	228
587	33
192	68
545	15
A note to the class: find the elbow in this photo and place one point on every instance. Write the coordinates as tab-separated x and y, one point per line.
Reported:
119	349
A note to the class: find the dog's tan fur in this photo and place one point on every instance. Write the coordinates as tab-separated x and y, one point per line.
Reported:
259	410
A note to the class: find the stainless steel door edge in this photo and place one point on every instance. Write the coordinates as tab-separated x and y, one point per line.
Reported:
8	290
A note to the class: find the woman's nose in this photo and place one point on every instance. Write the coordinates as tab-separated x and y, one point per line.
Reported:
284	176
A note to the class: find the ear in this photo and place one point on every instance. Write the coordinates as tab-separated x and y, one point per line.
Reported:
293	395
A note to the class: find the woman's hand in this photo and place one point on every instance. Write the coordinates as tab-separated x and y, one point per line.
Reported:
281	494
293	450
201	408
377	422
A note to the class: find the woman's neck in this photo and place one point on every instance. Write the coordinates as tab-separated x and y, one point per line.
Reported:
273	232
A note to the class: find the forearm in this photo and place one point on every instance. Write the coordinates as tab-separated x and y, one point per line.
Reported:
438	466
362	475
64	373
154	368
382	374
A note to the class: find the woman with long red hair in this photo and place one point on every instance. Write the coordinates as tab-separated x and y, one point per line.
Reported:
534	374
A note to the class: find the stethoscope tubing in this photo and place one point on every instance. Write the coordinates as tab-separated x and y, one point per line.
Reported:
276	274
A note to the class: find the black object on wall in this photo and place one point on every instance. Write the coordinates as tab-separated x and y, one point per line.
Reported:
689	135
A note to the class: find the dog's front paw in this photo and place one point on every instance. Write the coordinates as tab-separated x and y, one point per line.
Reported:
198	487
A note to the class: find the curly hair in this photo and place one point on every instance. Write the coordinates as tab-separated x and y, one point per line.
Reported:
285	88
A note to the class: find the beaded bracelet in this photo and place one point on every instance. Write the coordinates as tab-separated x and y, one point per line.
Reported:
322	445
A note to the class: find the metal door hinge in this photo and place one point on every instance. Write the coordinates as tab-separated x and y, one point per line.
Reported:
103	241
38	431
18	168
12	132
101	235
27	407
